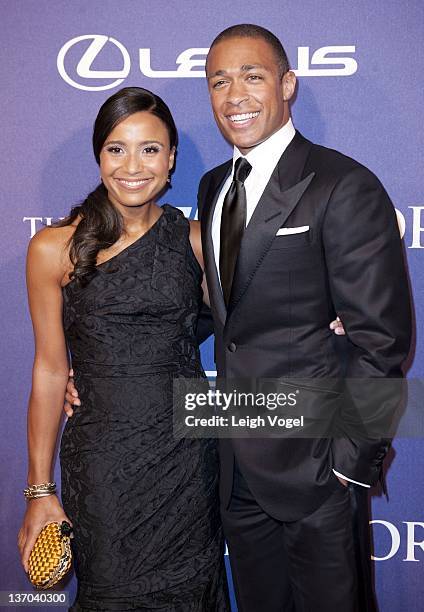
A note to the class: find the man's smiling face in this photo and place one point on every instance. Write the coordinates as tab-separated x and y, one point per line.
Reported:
249	96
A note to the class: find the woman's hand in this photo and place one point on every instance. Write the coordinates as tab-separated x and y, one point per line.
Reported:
39	512
337	327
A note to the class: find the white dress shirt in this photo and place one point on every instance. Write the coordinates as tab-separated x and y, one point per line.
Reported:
263	159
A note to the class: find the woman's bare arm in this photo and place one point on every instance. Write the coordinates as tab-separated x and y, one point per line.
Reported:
196	245
45	271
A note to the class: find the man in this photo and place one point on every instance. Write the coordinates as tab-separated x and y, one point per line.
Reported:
300	234
293	233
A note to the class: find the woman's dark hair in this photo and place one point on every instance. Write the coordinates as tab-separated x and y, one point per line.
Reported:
101	224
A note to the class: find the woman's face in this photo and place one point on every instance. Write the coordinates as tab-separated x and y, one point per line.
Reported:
135	160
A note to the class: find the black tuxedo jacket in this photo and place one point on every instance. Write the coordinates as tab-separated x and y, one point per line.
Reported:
286	290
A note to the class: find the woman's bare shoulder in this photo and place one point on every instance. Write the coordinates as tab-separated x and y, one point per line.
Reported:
51	242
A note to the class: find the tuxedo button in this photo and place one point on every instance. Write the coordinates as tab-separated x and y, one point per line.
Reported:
232	347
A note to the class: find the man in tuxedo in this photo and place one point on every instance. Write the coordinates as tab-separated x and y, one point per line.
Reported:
294	233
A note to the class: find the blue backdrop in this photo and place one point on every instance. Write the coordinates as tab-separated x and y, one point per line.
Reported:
360	91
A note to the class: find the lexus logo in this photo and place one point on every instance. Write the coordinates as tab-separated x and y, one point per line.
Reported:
190	63
84	70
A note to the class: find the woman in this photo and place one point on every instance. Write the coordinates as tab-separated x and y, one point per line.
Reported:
118	284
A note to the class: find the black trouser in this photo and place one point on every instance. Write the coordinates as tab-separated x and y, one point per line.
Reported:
314	564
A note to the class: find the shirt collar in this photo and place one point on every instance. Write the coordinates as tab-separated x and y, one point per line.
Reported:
267	154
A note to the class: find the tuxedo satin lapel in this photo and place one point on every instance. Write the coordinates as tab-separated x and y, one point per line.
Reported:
214	286
283	192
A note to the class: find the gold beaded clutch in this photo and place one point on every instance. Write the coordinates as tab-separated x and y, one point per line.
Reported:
51	555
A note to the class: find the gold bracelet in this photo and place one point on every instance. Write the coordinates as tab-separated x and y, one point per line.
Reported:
40	490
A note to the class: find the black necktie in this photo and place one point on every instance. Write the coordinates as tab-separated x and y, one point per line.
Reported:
233	223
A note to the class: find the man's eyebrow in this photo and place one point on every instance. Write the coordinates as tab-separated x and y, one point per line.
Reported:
244	68
217	73
247	67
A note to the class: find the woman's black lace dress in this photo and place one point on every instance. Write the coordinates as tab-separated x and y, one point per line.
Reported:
144	505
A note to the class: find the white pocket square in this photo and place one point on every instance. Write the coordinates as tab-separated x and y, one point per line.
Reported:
285	231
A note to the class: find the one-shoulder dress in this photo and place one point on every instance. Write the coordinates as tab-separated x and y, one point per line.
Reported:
144	504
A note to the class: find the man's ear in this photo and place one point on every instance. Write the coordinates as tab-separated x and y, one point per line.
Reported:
288	85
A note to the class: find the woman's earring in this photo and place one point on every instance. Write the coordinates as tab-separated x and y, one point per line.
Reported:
168	180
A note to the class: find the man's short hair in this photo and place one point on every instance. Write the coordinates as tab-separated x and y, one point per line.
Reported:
248	30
